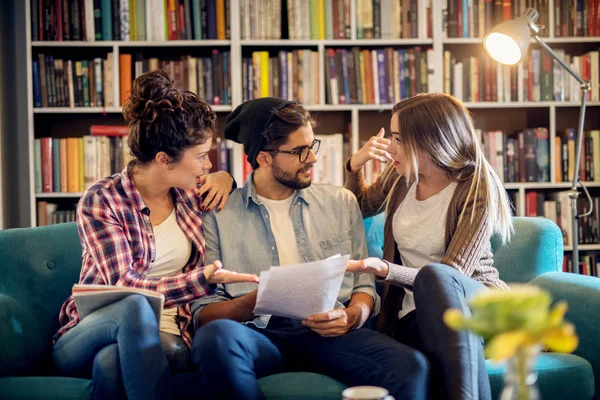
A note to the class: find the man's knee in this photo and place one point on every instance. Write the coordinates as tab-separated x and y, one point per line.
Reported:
419	364
216	338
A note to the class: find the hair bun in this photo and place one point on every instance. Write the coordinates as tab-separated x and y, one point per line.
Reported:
152	92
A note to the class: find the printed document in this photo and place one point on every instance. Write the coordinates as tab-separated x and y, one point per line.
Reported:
297	291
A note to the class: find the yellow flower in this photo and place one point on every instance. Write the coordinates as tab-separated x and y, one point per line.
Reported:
561	339
453	318
504	345
515	319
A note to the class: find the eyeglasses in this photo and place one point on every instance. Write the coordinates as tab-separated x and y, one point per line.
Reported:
302	152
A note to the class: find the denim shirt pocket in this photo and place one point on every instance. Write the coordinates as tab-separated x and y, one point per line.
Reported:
338	244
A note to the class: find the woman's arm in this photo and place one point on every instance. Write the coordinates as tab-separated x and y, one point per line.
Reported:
104	239
215	189
394	274
371	198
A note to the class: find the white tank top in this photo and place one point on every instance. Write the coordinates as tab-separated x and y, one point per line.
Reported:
419	228
173	250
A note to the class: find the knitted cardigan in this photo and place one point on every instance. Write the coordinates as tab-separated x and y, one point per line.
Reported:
468	247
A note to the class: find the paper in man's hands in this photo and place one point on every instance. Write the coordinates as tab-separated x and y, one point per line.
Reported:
297	291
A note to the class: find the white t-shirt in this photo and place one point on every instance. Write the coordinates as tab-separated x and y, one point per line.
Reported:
173	250
281	224
419	231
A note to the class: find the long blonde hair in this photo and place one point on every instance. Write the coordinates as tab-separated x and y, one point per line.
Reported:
441	126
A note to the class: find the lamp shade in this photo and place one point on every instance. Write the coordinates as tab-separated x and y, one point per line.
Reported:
507	43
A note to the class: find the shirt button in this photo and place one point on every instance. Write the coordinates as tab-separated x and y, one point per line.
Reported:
151	261
267	216
273	248
151	236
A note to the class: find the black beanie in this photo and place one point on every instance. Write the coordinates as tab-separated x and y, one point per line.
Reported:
248	123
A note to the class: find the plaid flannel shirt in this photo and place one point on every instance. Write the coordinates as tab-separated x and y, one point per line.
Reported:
118	246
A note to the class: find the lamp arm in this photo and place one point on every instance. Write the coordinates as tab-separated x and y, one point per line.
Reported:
559	60
574	193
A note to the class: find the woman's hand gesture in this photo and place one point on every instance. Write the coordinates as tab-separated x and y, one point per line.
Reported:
217	187
214	273
372	265
374	149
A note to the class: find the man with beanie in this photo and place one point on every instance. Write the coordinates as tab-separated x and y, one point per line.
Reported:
279	218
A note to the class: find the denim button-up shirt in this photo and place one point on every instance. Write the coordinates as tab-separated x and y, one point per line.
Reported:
326	221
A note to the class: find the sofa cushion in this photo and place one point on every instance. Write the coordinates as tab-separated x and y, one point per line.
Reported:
39	267
560	376
40	388
535	248
300	386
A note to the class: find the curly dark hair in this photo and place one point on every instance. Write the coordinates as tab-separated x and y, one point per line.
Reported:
285	122
162	118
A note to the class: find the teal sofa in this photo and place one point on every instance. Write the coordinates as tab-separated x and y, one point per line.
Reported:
38	266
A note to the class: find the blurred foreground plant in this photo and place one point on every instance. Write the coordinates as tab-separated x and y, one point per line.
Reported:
515	324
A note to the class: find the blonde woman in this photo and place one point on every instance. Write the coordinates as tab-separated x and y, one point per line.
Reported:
443	201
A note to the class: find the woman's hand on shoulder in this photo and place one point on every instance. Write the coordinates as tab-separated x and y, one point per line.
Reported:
217	187
374	149
372	265
214	273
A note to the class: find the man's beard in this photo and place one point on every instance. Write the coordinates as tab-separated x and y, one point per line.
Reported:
290	180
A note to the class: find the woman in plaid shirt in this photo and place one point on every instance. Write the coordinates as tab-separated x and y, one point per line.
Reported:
142	228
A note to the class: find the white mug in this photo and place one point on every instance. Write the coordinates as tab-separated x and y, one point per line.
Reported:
366	393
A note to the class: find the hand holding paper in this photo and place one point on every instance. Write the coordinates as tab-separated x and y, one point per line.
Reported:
298	291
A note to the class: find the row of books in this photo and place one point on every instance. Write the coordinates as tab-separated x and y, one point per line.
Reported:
576	18
72	83
73	164
48	213
588	264
58	82
261	19
564	156
330	19
381	76
475	18
290	75
556	206
522	157
208	77
525	156
129	20
393	19
478	79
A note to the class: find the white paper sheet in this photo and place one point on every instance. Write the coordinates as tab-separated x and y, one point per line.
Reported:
297	291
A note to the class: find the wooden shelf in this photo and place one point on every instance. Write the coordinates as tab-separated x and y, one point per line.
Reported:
100	110
546	185
59	195
584	247
566	40
339	42
119	43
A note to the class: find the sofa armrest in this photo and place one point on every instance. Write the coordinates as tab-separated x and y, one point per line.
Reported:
583	295
13	355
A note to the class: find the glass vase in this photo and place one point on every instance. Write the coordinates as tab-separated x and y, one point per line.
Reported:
520	379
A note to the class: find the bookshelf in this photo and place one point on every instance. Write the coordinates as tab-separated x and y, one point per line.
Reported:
358	121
